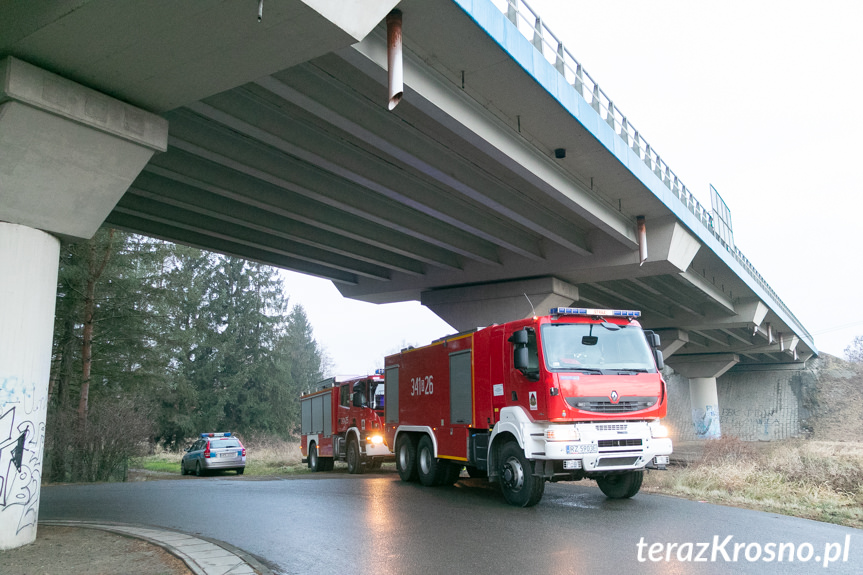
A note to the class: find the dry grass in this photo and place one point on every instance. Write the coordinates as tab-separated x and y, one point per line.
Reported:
811	479
265	455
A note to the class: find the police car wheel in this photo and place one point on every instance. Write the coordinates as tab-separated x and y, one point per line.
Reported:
198	471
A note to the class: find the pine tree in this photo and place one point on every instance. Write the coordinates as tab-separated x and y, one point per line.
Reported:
191	341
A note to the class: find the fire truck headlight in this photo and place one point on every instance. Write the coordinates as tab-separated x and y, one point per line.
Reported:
657	430
376	439
561	433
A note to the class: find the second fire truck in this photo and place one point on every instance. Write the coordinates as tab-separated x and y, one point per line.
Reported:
342	420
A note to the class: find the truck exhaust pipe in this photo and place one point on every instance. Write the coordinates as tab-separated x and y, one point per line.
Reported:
394	58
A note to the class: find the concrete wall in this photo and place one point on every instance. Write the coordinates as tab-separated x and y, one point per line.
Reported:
823	401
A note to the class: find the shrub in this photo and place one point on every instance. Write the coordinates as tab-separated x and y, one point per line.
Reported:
98	449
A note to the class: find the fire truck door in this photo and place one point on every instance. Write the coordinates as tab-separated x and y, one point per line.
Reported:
461	405
454	442
392	394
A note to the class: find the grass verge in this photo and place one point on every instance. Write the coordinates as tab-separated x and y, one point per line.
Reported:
264	456
811	479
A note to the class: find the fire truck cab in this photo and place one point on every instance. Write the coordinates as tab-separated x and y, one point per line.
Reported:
343	420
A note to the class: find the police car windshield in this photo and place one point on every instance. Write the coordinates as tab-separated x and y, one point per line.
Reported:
577	347
222	443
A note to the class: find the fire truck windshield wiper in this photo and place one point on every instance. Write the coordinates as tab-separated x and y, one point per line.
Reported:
585	370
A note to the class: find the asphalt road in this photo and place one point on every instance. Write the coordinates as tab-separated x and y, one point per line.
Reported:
374	523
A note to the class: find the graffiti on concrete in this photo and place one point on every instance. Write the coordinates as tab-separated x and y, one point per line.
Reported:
761	424
706	422
22	437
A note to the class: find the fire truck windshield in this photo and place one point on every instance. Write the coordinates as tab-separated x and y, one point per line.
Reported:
377	393
594	348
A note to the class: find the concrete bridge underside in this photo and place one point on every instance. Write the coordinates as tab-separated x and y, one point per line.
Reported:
494	178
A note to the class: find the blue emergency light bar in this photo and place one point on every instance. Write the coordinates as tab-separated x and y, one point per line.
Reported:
225	434
379	372
594	312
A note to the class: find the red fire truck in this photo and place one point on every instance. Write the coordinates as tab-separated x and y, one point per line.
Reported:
574	394
343	420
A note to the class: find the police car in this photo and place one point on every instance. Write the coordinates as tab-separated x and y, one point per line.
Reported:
214	451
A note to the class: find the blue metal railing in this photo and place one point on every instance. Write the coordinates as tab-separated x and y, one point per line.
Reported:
531	26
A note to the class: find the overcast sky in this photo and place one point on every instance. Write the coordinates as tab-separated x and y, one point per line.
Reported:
757	98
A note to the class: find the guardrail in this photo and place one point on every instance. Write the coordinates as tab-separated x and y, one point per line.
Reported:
531	26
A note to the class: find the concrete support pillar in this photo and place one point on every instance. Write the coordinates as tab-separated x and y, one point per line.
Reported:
474	306
705	407
28	289
702	371
67	155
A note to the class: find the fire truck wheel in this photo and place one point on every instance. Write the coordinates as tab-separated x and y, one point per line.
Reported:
354	463
431	471
314	460
621	486
519	485
406	458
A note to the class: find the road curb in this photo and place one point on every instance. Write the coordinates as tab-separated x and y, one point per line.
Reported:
203	555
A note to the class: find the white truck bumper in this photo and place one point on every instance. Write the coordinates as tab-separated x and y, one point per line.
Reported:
601	447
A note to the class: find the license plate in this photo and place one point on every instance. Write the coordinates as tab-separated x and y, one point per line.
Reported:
231	454
582	448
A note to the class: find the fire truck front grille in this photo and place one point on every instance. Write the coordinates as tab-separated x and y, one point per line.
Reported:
611	427
619	443
616	461
604	404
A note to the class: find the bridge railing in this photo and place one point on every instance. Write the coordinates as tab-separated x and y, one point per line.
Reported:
531	26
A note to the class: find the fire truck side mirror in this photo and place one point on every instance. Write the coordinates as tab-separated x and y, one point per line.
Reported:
652	339
359	400
521	355
660	362
520	359
519	338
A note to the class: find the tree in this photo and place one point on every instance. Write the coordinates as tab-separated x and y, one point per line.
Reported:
97	258
106	319
183	340
854	352
303	363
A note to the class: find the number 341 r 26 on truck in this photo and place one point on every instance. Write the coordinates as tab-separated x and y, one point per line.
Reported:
572	395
